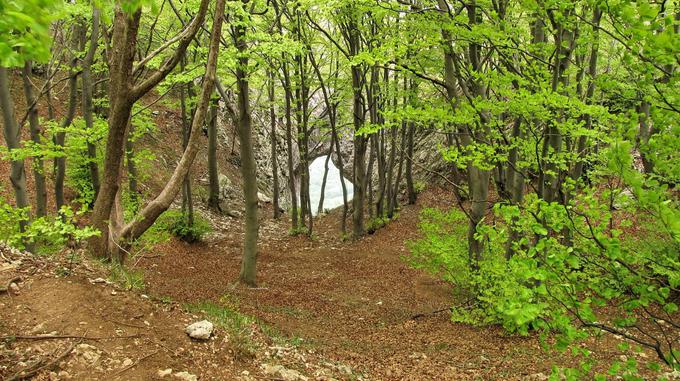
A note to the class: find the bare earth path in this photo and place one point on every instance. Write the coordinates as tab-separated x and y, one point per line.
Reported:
325	310
353	302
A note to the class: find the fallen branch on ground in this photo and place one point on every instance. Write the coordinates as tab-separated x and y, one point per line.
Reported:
53	337
423	314
133	364
38	366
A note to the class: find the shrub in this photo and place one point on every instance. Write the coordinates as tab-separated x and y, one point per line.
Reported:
573	272
48	234
175	222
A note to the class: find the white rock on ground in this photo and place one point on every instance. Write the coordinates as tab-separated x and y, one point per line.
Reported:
200	330
283	373
164	372
185	376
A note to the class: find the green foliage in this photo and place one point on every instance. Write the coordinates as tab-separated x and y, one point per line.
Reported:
49	234
174	222
376	223
125	277
25	30
240	327
570	261
190	232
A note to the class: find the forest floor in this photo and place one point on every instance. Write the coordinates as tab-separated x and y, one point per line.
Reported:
325	309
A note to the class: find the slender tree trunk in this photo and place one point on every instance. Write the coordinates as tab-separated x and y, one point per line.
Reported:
12	138
213	172
87	92
410	187
319	210
360	145
644	134
34	125
60	137
248	165
332	120
289	146
187	199
289	125
577	171
400	167
274	152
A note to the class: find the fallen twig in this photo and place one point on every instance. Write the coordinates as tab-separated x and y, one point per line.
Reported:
38	367
53	337
423	314
133	364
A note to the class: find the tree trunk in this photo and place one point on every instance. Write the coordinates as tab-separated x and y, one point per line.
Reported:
319	210
213	172
410	187
60	137
87	99
132	168
34	125
12	138
360	145
122	95
162	202
248	166
187	198
274	152
289	146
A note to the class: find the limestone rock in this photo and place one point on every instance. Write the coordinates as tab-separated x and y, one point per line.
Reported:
261	197
185	376
283	373
200	330
164	372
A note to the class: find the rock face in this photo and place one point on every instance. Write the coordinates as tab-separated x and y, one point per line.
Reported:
200	330
427	157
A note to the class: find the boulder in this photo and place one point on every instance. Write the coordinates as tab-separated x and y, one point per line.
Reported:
200	330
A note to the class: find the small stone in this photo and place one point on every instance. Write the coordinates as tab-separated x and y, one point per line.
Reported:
14	287
185	376
64	375
127	362
283	373
98	280
114	292
200	330
38	328
164	372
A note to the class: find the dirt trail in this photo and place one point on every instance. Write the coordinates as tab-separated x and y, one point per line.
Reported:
325	310
352	302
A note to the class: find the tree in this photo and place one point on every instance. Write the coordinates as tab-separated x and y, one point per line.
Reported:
123	93
25	38
248	166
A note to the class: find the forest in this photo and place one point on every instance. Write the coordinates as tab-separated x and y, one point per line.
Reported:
340	190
